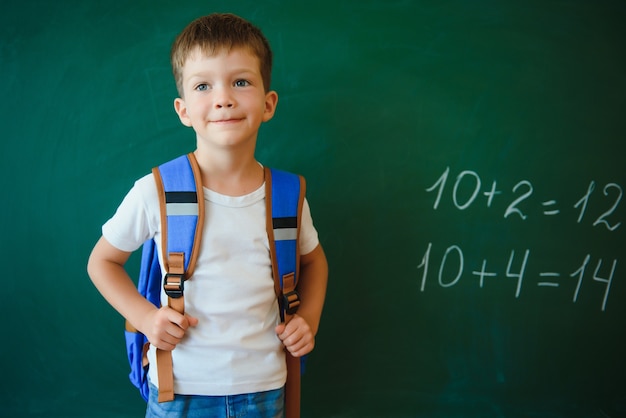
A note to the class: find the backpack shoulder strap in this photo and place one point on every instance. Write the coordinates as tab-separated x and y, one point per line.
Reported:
181	198
284	197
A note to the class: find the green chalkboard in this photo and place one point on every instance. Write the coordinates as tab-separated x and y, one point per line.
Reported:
466	172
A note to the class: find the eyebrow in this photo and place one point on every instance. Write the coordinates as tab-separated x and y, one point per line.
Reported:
231	73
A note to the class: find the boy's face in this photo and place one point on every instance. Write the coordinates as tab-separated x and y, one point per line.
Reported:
224	98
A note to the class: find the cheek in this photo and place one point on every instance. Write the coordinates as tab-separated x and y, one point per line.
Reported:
198	109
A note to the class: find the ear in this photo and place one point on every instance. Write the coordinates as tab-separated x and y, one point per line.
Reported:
181	110
271	101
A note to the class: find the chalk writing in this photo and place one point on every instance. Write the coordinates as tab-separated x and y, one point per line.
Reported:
516	269
467	189
601	220
522	194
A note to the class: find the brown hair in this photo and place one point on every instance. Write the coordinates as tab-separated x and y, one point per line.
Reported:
220	31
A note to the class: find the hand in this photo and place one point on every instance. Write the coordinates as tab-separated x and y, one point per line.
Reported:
297	336
166	327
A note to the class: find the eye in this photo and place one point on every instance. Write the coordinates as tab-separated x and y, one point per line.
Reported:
202	87
242	83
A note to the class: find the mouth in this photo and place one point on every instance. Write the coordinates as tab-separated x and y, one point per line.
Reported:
226	121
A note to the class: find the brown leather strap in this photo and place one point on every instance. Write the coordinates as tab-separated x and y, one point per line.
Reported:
165	367
292	387
197	174
163	213
177	272
165	373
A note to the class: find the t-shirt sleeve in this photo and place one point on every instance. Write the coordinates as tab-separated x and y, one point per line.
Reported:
308	234
133	222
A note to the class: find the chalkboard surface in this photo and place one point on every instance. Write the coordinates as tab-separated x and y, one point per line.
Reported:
466	172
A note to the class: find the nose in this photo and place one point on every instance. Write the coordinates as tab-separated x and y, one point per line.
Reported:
223	98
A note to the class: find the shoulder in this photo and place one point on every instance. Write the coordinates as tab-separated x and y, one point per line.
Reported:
136	218
146	185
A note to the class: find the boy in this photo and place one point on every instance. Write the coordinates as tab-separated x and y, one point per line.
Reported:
229	357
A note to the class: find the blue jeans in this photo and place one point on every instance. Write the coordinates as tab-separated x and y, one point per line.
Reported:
268	404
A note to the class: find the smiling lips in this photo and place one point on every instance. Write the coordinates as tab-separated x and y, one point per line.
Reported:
226	121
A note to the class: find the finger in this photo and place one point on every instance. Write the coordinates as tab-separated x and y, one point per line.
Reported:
280	329
192	320
296	342
168	342
177	318
170	326
301	348
174	333
292	326
165	342
170	337
285	334
185	321
165	346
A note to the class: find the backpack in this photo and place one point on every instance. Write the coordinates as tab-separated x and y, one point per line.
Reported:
182	216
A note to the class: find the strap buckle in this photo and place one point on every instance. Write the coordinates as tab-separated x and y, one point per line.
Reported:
174	285
291	302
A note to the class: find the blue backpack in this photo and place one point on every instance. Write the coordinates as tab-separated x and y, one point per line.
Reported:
182	218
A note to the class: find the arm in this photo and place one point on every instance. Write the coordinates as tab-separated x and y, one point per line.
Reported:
164	327
298	335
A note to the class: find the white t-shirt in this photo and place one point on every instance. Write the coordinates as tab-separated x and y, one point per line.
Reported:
234	348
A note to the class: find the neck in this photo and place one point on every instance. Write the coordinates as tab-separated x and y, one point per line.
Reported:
231	175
